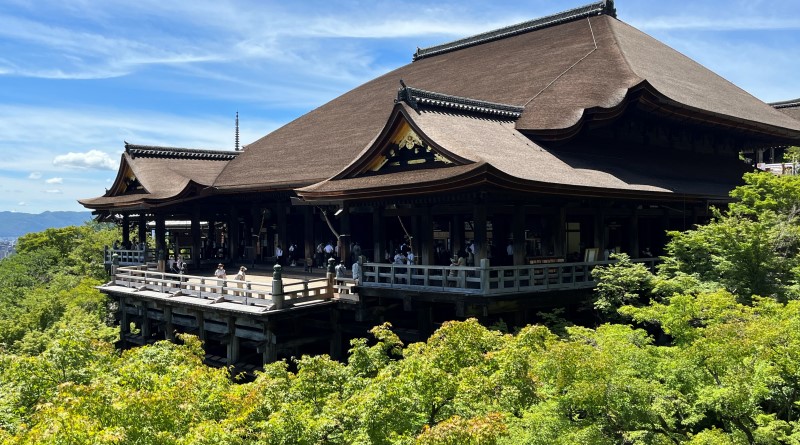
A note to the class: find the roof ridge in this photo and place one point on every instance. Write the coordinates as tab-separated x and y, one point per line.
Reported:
605	7
415	96
155	151
785	103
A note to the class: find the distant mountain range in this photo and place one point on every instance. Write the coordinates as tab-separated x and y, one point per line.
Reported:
14	224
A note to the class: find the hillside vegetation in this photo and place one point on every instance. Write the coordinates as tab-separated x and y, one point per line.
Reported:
15	224
706	351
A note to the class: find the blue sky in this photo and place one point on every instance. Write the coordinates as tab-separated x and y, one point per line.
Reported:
79	77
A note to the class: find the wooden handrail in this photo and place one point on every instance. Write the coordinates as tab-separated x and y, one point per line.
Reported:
251	293
485	280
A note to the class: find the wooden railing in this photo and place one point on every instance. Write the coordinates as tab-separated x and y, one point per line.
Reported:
128	257
248	293
484	280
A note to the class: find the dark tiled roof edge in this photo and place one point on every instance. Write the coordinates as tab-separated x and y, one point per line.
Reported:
149	151
786	104
604	7
415	97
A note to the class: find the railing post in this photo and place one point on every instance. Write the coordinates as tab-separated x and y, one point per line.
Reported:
277	287
114	267
331	275
484	268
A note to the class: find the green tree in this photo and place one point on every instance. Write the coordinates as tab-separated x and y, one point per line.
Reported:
619	283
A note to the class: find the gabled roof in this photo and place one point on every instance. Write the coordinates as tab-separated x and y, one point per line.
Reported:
592	9
580	66
788	107
494	152
149	176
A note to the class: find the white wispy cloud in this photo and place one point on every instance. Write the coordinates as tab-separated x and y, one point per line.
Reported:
54	191
35	175
54	181
92	159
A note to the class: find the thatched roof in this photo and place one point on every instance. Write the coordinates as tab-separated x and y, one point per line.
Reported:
149	176
560	75
789	107
490	150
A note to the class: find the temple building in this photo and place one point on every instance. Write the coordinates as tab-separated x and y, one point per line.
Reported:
555	141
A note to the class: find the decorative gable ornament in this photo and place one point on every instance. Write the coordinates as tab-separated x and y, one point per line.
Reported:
406	151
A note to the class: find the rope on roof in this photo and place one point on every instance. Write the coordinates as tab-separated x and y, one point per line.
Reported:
415	97
605	7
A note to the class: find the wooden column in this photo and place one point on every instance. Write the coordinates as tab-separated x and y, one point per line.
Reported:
142	228
481	243
124	323
336	336
270	349
211	241
600	231
424	320
518	232
308	235
169	329
161	241
560	232
457	233
345	235
425	254
255	236
233	343
378	231
196	244
633	233
201	325
233	233
145	323
281	208
126	230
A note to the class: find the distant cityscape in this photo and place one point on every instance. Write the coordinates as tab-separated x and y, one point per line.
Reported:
7	246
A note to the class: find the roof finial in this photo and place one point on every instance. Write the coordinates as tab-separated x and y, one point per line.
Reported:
236	147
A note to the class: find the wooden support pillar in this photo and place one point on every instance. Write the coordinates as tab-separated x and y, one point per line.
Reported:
600	231
270	349
161	242
336	336
378	231
426	249
124	323
169	329
211	241
126	230
281	209
345	237
201	325
255	235
457	234
560	232
424	320
633	241
233	343
518	232
196	244
145	323
233	233
308	236
481	243
142	228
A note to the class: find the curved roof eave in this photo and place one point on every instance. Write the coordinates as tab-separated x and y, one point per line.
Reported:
483	174
646	94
